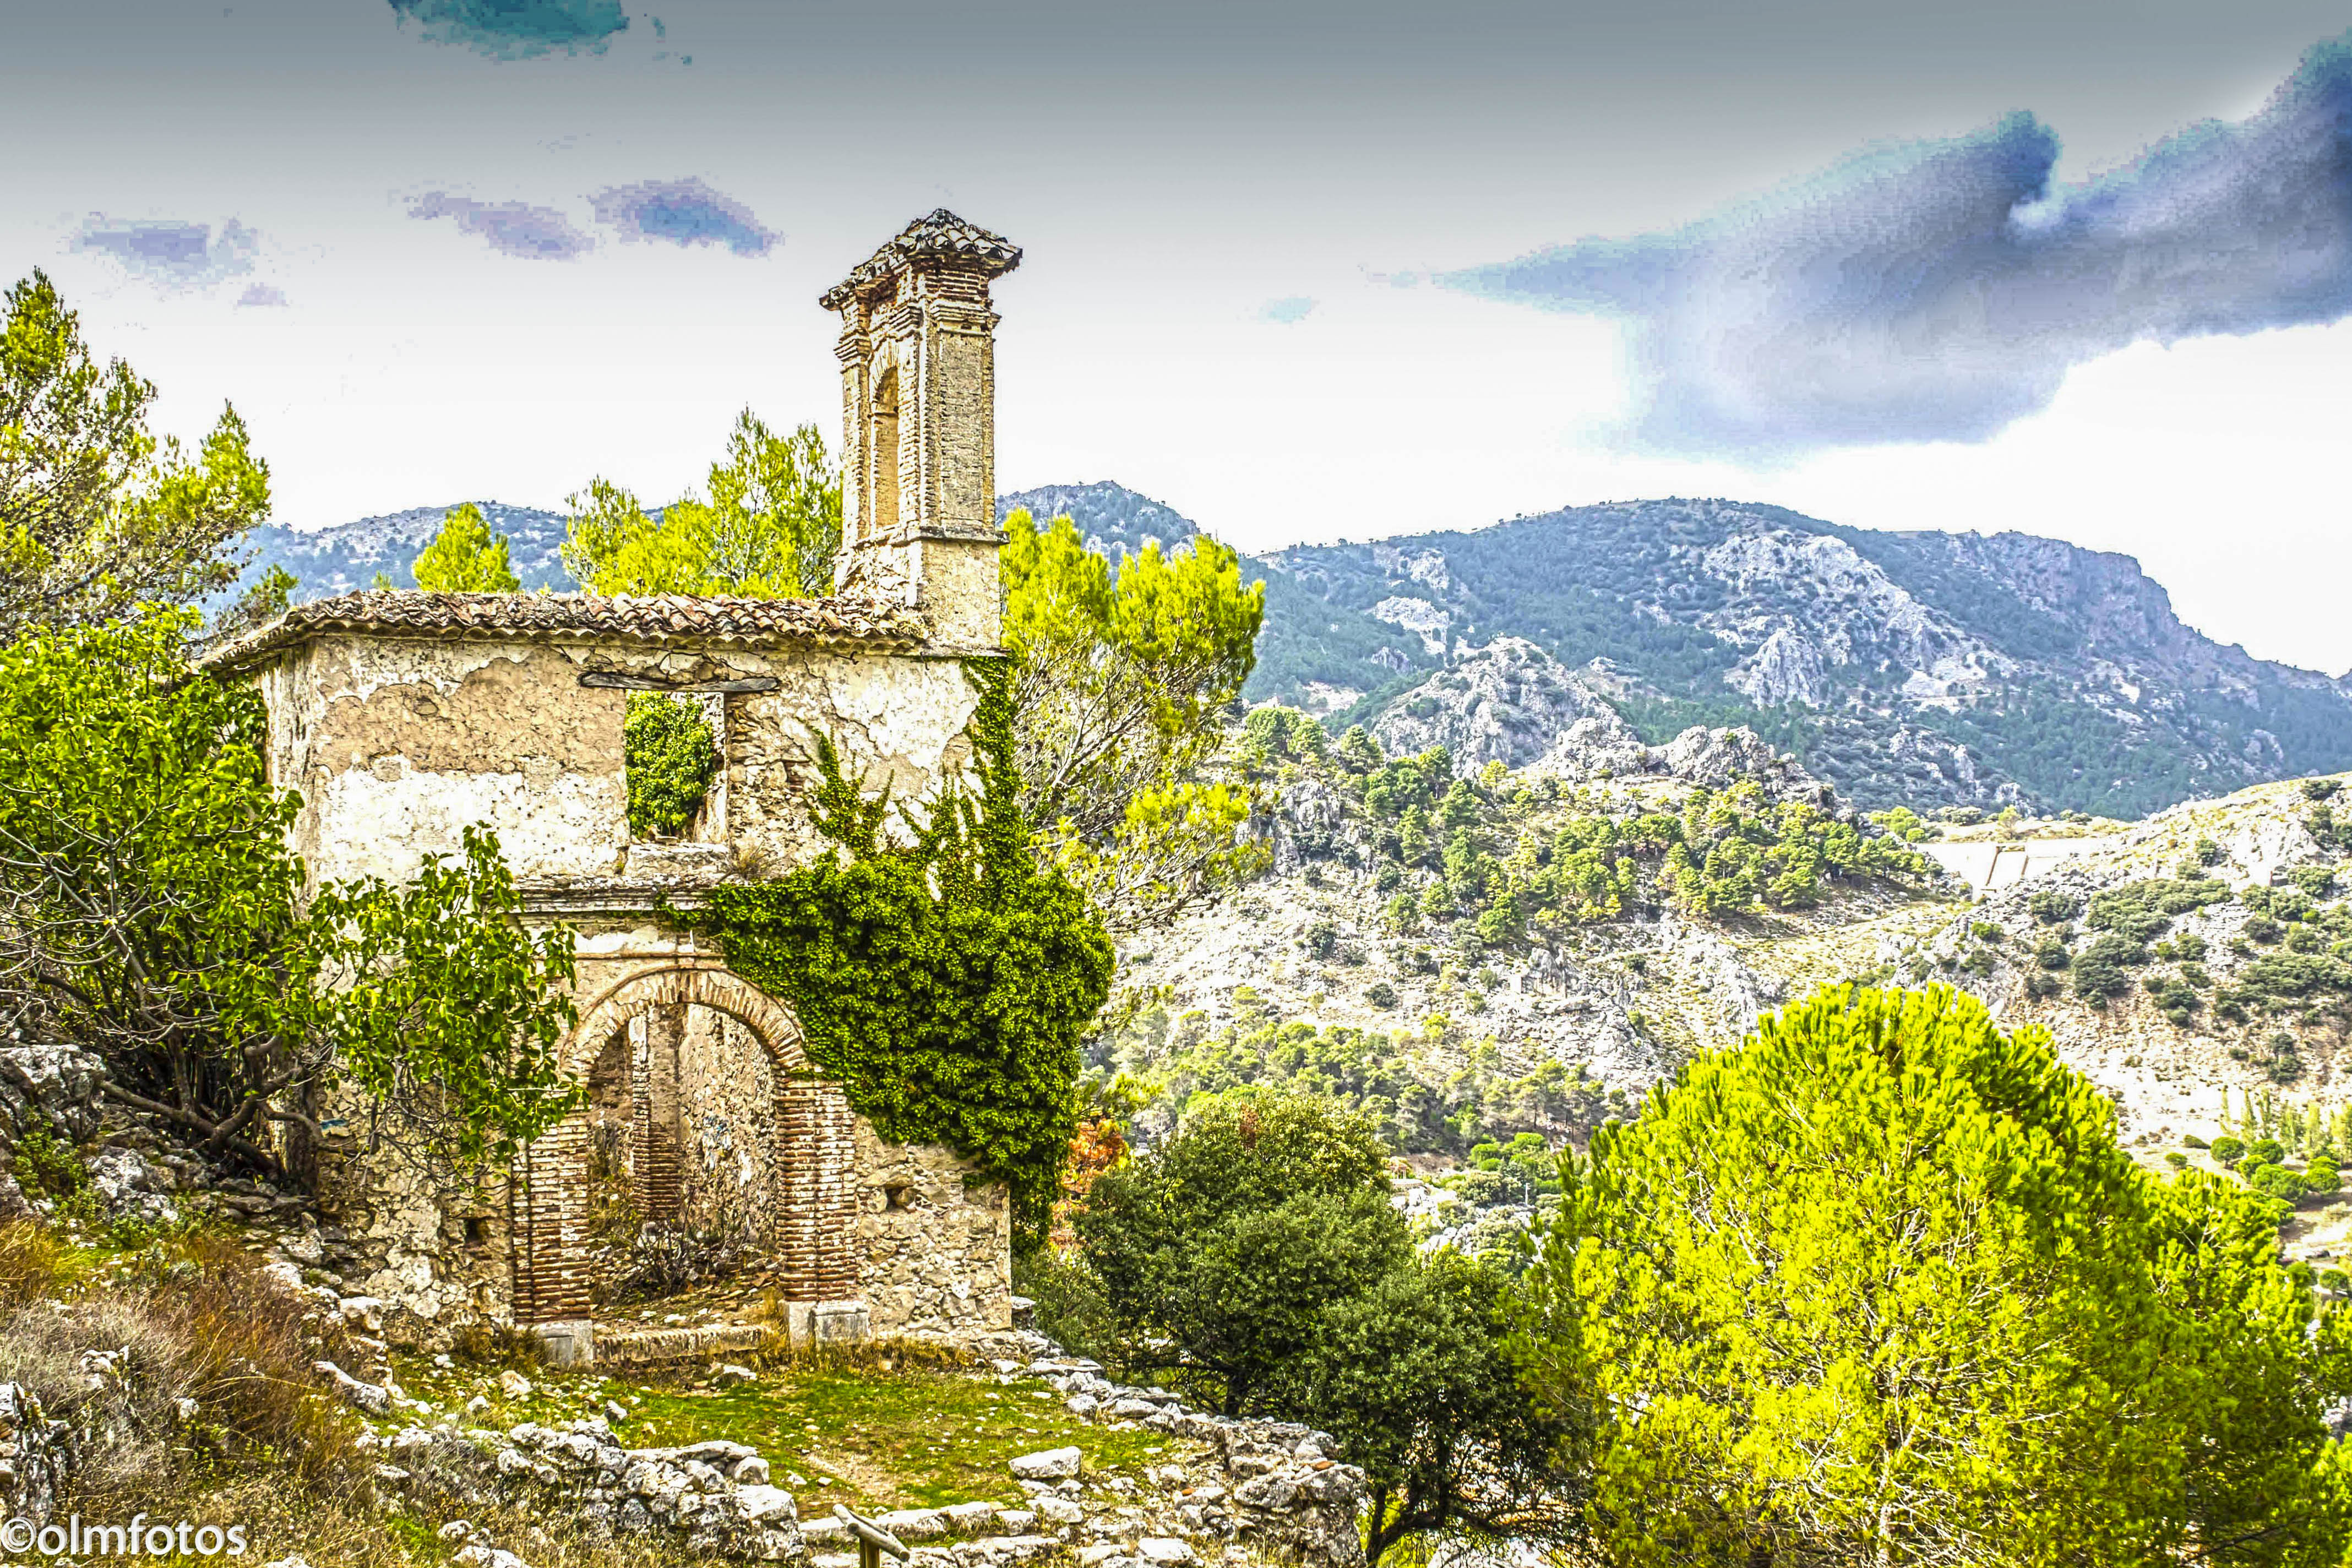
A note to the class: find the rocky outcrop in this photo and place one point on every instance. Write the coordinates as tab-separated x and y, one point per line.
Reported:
1508	702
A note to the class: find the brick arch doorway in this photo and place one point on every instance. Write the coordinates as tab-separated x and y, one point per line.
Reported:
812	1228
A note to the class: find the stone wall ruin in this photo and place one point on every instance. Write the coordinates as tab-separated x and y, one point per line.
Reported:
401	718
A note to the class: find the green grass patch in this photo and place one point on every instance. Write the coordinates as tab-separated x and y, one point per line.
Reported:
859	1434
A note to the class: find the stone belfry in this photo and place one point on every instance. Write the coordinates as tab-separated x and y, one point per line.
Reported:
919	424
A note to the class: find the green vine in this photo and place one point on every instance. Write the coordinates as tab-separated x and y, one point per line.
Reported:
946	982
671	757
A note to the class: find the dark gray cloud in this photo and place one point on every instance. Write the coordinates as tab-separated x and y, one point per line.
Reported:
169	252
517	228
517	29
683	212
1938	290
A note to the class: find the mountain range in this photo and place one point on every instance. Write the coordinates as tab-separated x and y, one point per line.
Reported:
1906	668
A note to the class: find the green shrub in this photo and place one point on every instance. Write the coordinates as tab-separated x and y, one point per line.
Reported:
2314	881
1071	1310
1381	993
47	1166
2335	1281
2099	969
2265	1152
671	757
2320	789
2322	1176
2050	952
2277	1181
2141	911
2227	1150
2053	908
2176	1158
2041	984
2190	1140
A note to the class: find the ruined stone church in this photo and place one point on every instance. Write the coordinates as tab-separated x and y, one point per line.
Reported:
402	717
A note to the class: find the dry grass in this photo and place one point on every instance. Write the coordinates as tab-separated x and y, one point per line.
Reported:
32	1263
194	1319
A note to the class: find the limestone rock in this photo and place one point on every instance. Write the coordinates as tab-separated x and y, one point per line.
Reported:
1047	1465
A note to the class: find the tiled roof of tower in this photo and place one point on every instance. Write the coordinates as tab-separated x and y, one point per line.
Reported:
577	617
941	235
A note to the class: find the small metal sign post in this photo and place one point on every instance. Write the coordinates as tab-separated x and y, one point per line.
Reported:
873	1541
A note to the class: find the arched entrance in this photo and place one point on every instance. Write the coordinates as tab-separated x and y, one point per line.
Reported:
807	1141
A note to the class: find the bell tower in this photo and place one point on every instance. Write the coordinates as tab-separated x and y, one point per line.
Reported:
917	355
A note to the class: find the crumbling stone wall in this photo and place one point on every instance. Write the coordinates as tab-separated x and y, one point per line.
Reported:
397	744
935	1243
731	1155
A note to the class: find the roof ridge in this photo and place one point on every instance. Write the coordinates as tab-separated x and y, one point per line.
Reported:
842	620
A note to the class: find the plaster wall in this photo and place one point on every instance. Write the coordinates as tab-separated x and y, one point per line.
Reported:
397	744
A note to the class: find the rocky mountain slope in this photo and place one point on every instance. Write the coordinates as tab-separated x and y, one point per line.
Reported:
1915	668
342	560
1903	668
2196	966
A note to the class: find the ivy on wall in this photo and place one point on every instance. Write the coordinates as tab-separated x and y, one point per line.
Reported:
671	757
947	981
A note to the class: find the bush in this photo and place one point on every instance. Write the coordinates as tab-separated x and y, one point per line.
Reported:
2227	1150
2099	969
2335	1281
2041	984
2176	1158
2265	1152
2191	1140
2322	1176
1220	1249
2314	881
2277	1181
2050	952
2053	908
1381	993
671	756
1071	1310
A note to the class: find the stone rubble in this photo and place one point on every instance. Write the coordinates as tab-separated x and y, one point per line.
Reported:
710	1497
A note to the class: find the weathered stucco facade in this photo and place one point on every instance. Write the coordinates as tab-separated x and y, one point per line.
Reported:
401	718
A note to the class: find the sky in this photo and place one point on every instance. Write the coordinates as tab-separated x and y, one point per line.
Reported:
1302	270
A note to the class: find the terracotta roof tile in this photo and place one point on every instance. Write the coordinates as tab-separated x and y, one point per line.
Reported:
574	617
939	235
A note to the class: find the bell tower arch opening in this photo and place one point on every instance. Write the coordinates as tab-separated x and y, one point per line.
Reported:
887	465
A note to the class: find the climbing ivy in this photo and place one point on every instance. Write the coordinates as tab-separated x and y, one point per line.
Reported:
671	757
944	979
